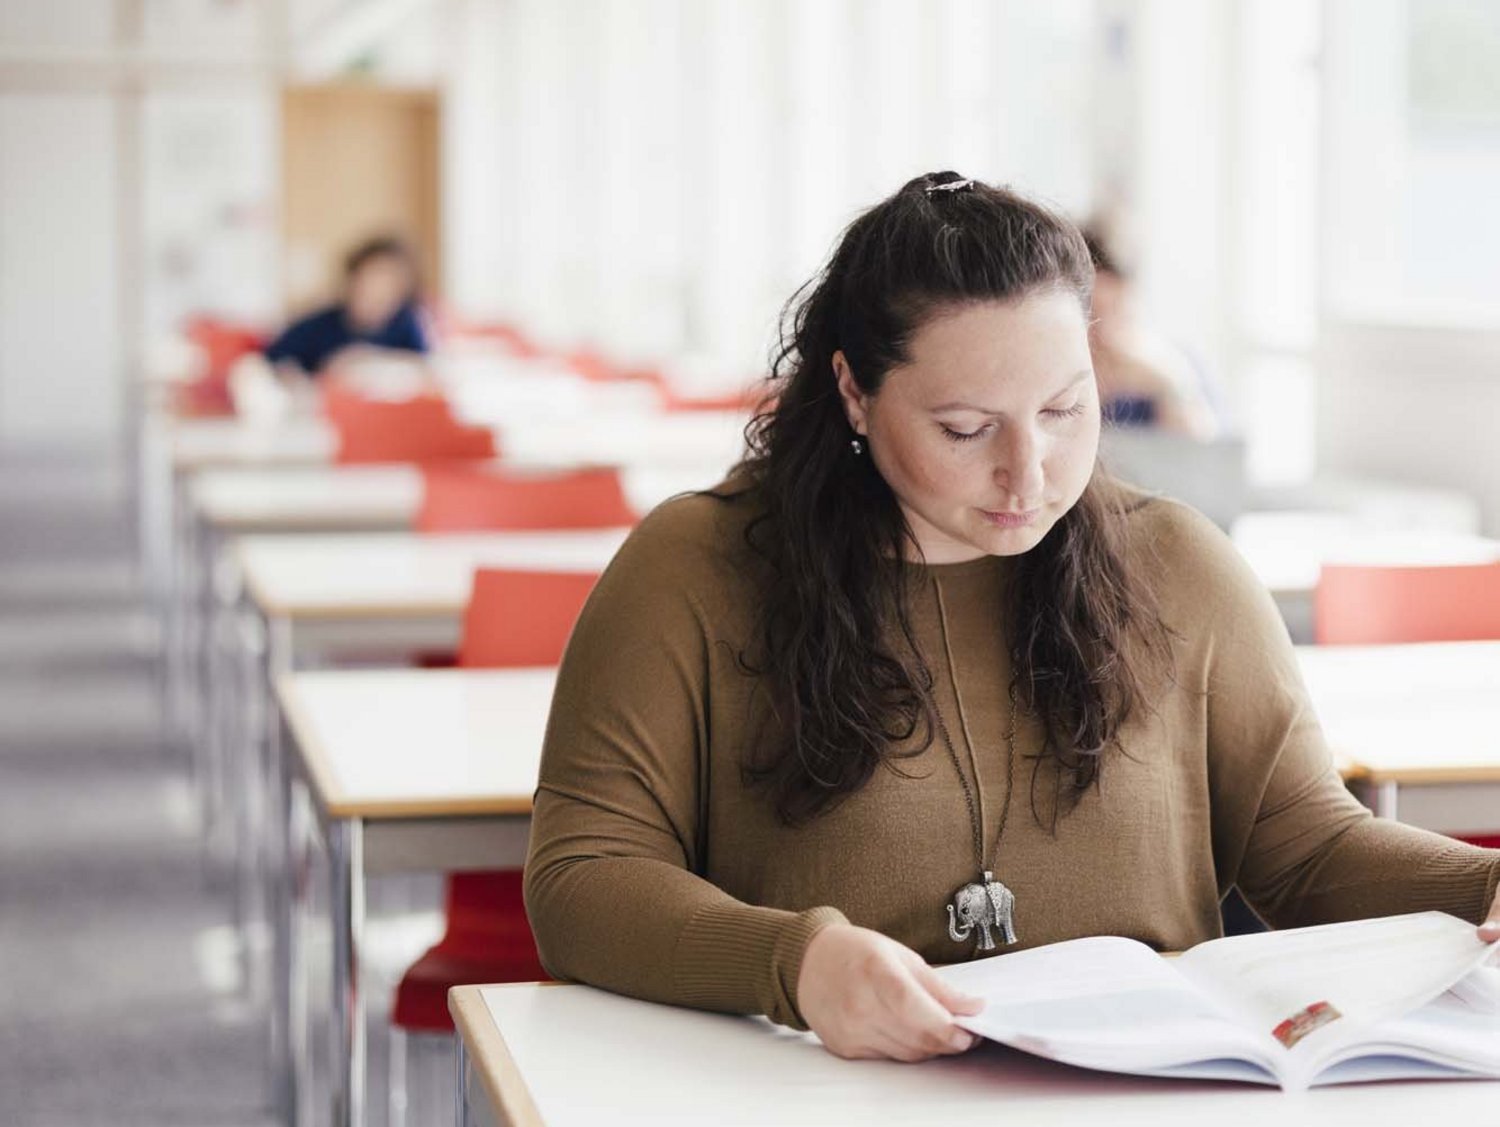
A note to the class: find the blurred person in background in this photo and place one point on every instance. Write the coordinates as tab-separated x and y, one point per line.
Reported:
1144	381
377	314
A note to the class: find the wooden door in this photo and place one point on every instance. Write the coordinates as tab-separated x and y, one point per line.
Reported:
356	161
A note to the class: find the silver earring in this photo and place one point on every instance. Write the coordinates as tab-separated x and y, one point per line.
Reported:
857	446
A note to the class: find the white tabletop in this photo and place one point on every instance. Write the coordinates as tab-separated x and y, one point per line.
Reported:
645	1063
380	575
1415	714
1287	549
327	497
372	497
710	439
469	741
200	443
419	743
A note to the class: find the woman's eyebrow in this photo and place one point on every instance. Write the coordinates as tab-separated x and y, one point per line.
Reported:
961	405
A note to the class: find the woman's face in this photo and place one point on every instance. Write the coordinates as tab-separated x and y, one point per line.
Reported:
377	290
989	434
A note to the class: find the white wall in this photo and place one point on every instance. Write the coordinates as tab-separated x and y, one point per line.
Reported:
60	345
654	176
1409	359
1412	403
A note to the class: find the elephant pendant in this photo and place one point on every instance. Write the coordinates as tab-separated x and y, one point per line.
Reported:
984	905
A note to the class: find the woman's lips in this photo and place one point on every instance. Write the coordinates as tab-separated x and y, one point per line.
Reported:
1010	519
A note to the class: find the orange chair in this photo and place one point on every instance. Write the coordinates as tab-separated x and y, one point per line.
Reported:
479	498
220	344
420	429
514	619
1358	605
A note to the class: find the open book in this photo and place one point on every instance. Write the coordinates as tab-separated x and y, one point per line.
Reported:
1401	997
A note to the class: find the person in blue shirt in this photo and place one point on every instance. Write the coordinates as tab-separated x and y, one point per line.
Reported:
378	310
1144	381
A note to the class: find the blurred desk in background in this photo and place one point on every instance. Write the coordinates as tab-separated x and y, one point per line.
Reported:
1423	720
1287	550
396	771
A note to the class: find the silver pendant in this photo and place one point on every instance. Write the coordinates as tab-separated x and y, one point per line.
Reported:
983	905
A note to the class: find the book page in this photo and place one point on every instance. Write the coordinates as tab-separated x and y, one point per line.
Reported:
1458	1030
1101	1002
1316	989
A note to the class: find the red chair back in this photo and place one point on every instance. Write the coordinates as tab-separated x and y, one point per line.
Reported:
1360	605
220	343
421	429
479	498
521	618
514	618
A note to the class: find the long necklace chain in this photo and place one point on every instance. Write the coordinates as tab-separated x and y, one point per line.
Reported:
963	779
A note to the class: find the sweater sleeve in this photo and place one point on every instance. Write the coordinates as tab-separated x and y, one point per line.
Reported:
613	886
1301	848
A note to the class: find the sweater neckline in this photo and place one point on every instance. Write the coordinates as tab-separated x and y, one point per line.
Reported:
981	565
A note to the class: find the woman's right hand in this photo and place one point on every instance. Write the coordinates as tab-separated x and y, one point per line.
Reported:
868	996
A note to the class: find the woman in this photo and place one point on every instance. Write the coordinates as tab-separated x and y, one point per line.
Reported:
918	638
378	311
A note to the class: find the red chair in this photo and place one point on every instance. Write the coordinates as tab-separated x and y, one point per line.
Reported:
421	429
1357	605
480	498
514	619
220	343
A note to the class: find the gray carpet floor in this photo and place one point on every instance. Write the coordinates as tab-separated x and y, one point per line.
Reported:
117	998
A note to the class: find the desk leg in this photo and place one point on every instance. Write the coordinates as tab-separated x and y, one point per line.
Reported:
178	581
346	868
465	1119
1385	800
251	732
289	1008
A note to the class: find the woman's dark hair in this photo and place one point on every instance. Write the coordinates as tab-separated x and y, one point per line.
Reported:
845	687
381	246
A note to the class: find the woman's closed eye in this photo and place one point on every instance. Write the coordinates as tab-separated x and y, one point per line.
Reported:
957	435
965	435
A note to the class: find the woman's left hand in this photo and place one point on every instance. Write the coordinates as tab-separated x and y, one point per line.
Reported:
1489	931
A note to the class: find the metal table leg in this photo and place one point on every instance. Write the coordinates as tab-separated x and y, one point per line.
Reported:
346	871
465	1118
1385	800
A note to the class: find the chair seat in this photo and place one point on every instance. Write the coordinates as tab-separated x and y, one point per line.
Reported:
422	997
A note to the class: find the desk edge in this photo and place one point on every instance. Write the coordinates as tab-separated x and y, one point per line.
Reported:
497	1069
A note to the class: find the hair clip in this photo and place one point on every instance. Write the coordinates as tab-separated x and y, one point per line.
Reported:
949	186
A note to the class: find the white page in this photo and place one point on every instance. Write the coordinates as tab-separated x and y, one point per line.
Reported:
1317	989
1101	1002
1460	1027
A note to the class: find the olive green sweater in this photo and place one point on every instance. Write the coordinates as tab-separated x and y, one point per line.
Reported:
655	871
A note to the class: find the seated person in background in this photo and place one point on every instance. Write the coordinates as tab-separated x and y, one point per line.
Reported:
378	312
1143	380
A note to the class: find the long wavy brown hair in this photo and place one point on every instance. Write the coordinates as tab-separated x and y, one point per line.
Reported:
847	690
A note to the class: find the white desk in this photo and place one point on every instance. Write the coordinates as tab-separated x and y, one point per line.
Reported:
309	597
431	771
1288	549
573	1055
690	439
1424	719
224	504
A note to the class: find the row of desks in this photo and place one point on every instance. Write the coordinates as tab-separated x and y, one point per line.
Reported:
436	768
